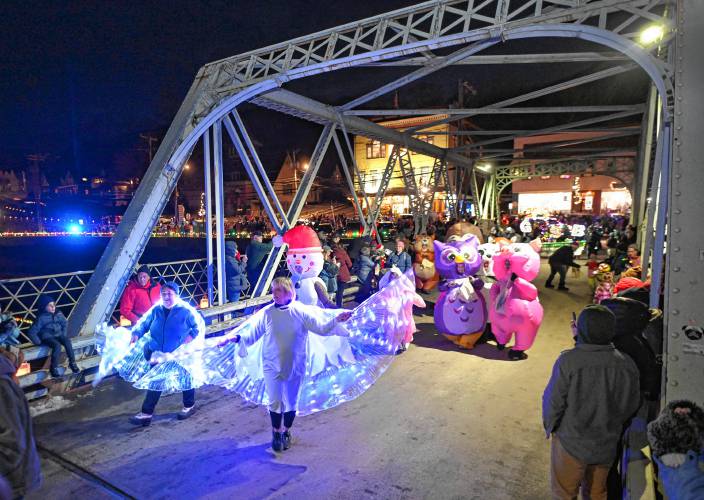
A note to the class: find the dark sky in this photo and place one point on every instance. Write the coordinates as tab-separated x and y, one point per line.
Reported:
90	76
82	80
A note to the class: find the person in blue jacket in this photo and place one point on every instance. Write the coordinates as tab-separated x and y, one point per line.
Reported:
169	324
400	258
49	329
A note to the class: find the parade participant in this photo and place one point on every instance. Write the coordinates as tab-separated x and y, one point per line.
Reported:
49	329
460	311
140	295
592	268
283	327
592	393
462	230
515	307
424	270
604	279
304	259
164	328
559	261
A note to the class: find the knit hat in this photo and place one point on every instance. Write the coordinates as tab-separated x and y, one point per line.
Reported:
44	300
302	239
596	325
626	283
172	285
144	269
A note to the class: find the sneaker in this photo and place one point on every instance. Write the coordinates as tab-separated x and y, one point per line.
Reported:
277	442
516	355
401	349
141	419
286	439
500	347
563	288
186	412
549	285
74	368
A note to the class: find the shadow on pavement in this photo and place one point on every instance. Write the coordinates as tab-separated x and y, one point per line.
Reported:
429	338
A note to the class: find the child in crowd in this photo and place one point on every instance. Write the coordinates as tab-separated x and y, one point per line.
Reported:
284	326
49	329
9	331
604	283
330	270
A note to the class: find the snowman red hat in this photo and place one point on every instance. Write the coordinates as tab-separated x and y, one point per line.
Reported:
302	239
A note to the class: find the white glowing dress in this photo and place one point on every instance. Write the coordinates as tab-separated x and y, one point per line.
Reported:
376	329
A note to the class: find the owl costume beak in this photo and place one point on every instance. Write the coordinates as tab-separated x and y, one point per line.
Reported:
459	259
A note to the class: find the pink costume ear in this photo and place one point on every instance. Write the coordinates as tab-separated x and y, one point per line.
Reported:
536	244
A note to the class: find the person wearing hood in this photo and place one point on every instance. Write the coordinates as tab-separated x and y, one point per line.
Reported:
49	329
19	461
593	392
140	295
257	252
235	272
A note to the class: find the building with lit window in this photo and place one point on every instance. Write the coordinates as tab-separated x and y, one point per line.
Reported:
372	156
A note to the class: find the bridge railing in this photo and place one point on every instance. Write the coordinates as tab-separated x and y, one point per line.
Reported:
19	296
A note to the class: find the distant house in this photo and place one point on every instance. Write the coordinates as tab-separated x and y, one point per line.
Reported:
289	179
372	156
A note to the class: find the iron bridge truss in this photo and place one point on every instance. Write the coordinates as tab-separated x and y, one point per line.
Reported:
409	36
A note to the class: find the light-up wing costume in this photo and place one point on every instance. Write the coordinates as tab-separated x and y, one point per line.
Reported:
376	329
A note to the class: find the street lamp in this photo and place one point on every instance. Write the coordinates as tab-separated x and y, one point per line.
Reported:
651	34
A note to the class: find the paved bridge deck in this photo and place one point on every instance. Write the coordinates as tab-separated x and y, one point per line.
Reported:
441	423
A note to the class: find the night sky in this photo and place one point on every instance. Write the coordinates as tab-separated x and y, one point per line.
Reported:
82	80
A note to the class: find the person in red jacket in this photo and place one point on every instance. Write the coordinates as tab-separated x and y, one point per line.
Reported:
345	264
140	295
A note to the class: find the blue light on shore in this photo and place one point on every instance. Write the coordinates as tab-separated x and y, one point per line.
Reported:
74	229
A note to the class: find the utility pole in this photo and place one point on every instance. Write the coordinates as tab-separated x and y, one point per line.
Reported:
35	179
151	140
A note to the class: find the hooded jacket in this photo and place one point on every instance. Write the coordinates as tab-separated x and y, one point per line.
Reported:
593	391
256	257
138	299
345	263
168	331
47	325
563	256
235	270
19	462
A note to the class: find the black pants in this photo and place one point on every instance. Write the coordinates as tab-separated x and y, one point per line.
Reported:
55	343
341	285
560	269
152	398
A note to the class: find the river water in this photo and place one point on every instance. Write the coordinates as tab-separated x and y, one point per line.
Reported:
37	256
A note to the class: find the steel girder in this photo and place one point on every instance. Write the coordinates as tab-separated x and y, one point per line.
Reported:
220	86
622	168
383	185
442	23
684	290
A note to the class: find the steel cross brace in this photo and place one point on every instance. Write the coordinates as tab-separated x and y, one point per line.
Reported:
294	211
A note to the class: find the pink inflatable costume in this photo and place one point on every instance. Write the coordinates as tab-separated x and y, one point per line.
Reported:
515	308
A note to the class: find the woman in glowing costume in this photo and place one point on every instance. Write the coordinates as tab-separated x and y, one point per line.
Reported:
376	328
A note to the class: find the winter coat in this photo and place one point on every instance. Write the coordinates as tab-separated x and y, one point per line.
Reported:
235	270
563	256
632	318
9	331
364	267
256	258
329	276
47	325
168	331
19	461
685	482
592	393
345	264
401	260
137	300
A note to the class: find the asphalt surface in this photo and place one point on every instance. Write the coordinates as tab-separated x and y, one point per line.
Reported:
441	423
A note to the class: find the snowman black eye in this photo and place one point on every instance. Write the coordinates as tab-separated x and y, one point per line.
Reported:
304	256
